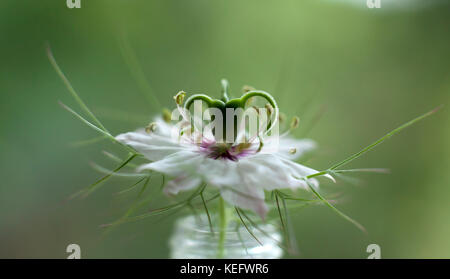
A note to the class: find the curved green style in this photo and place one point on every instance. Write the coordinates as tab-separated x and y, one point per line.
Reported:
226	102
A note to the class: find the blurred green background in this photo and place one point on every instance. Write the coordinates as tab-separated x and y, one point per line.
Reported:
367	70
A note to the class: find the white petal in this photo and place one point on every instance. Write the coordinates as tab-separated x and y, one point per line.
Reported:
152	146
301	171
163	128
236	183
219	172
182	162
267	171
288	148
298	169
181	183
261	171
245	197
301	147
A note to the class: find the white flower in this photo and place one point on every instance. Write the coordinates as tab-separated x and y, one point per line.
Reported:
241	172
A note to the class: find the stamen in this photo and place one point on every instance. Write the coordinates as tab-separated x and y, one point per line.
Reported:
151	128
225	103
179	98
294	123
242	146
260	131
247	88
269	109
256	109
257	93
261	144
166	115
185	126
292	151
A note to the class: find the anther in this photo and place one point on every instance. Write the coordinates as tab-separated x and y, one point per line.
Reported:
179	98
247	88
269	109
166	115
150	128
261	144
256	109
294	123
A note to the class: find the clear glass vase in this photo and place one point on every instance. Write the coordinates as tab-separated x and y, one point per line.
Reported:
193	239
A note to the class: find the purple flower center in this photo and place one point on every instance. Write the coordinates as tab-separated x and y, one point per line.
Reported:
226	151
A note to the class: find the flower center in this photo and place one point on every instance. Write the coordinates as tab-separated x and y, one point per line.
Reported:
226	104
226	151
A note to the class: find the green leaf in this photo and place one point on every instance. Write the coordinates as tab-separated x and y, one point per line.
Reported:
130	210
213	197
88	141
254	225
207	212
289	197
374	170
143	188
242	240
71	90
283	224
117	159
95	185
121	174
157	211
126	219
311	187
291	241
333	168
320	173
247	228
103	132
132	186
382	139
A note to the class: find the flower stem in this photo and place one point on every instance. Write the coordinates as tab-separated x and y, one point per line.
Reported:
223	223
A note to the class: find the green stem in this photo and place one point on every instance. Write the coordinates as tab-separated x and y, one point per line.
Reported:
223	223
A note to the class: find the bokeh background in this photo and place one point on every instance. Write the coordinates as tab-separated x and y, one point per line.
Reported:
365	71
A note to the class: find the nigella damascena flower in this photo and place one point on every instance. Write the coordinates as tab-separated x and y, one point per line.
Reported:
241	161
242	168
